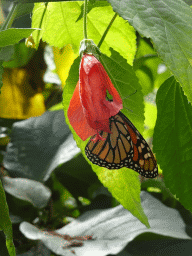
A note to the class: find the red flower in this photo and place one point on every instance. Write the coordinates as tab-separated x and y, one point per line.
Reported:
89	110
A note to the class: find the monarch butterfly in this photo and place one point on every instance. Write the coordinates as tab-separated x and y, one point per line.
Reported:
123	147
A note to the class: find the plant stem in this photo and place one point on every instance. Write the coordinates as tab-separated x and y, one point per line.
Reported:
106	31
85	19
9	20
41	22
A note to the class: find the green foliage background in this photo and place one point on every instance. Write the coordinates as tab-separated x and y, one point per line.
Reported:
145	35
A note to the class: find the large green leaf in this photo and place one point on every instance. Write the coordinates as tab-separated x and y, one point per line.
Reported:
60	25
5	222
59	149
124	183
168	24
22	188
114	228
173	140
14	35
126	82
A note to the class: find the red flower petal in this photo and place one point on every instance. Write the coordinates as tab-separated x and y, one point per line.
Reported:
89	110
94	83
77	118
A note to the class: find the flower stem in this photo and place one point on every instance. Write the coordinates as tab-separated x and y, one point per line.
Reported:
10	18
106	31
85	19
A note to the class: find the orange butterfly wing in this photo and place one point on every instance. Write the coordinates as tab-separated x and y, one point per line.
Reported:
124	147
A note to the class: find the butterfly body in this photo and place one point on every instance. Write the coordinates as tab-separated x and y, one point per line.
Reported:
123	147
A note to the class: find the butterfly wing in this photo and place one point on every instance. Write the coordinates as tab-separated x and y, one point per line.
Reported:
123	147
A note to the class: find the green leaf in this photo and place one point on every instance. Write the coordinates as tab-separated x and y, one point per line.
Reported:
21	188
14	35
22	55
10	247
139	62
20	10
40	166
5	222
124	79
23	9
146	65
6	52
60	27
113	229
33	1
90	6
189	2
1	73
168	24
173	140
124	183
150	114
